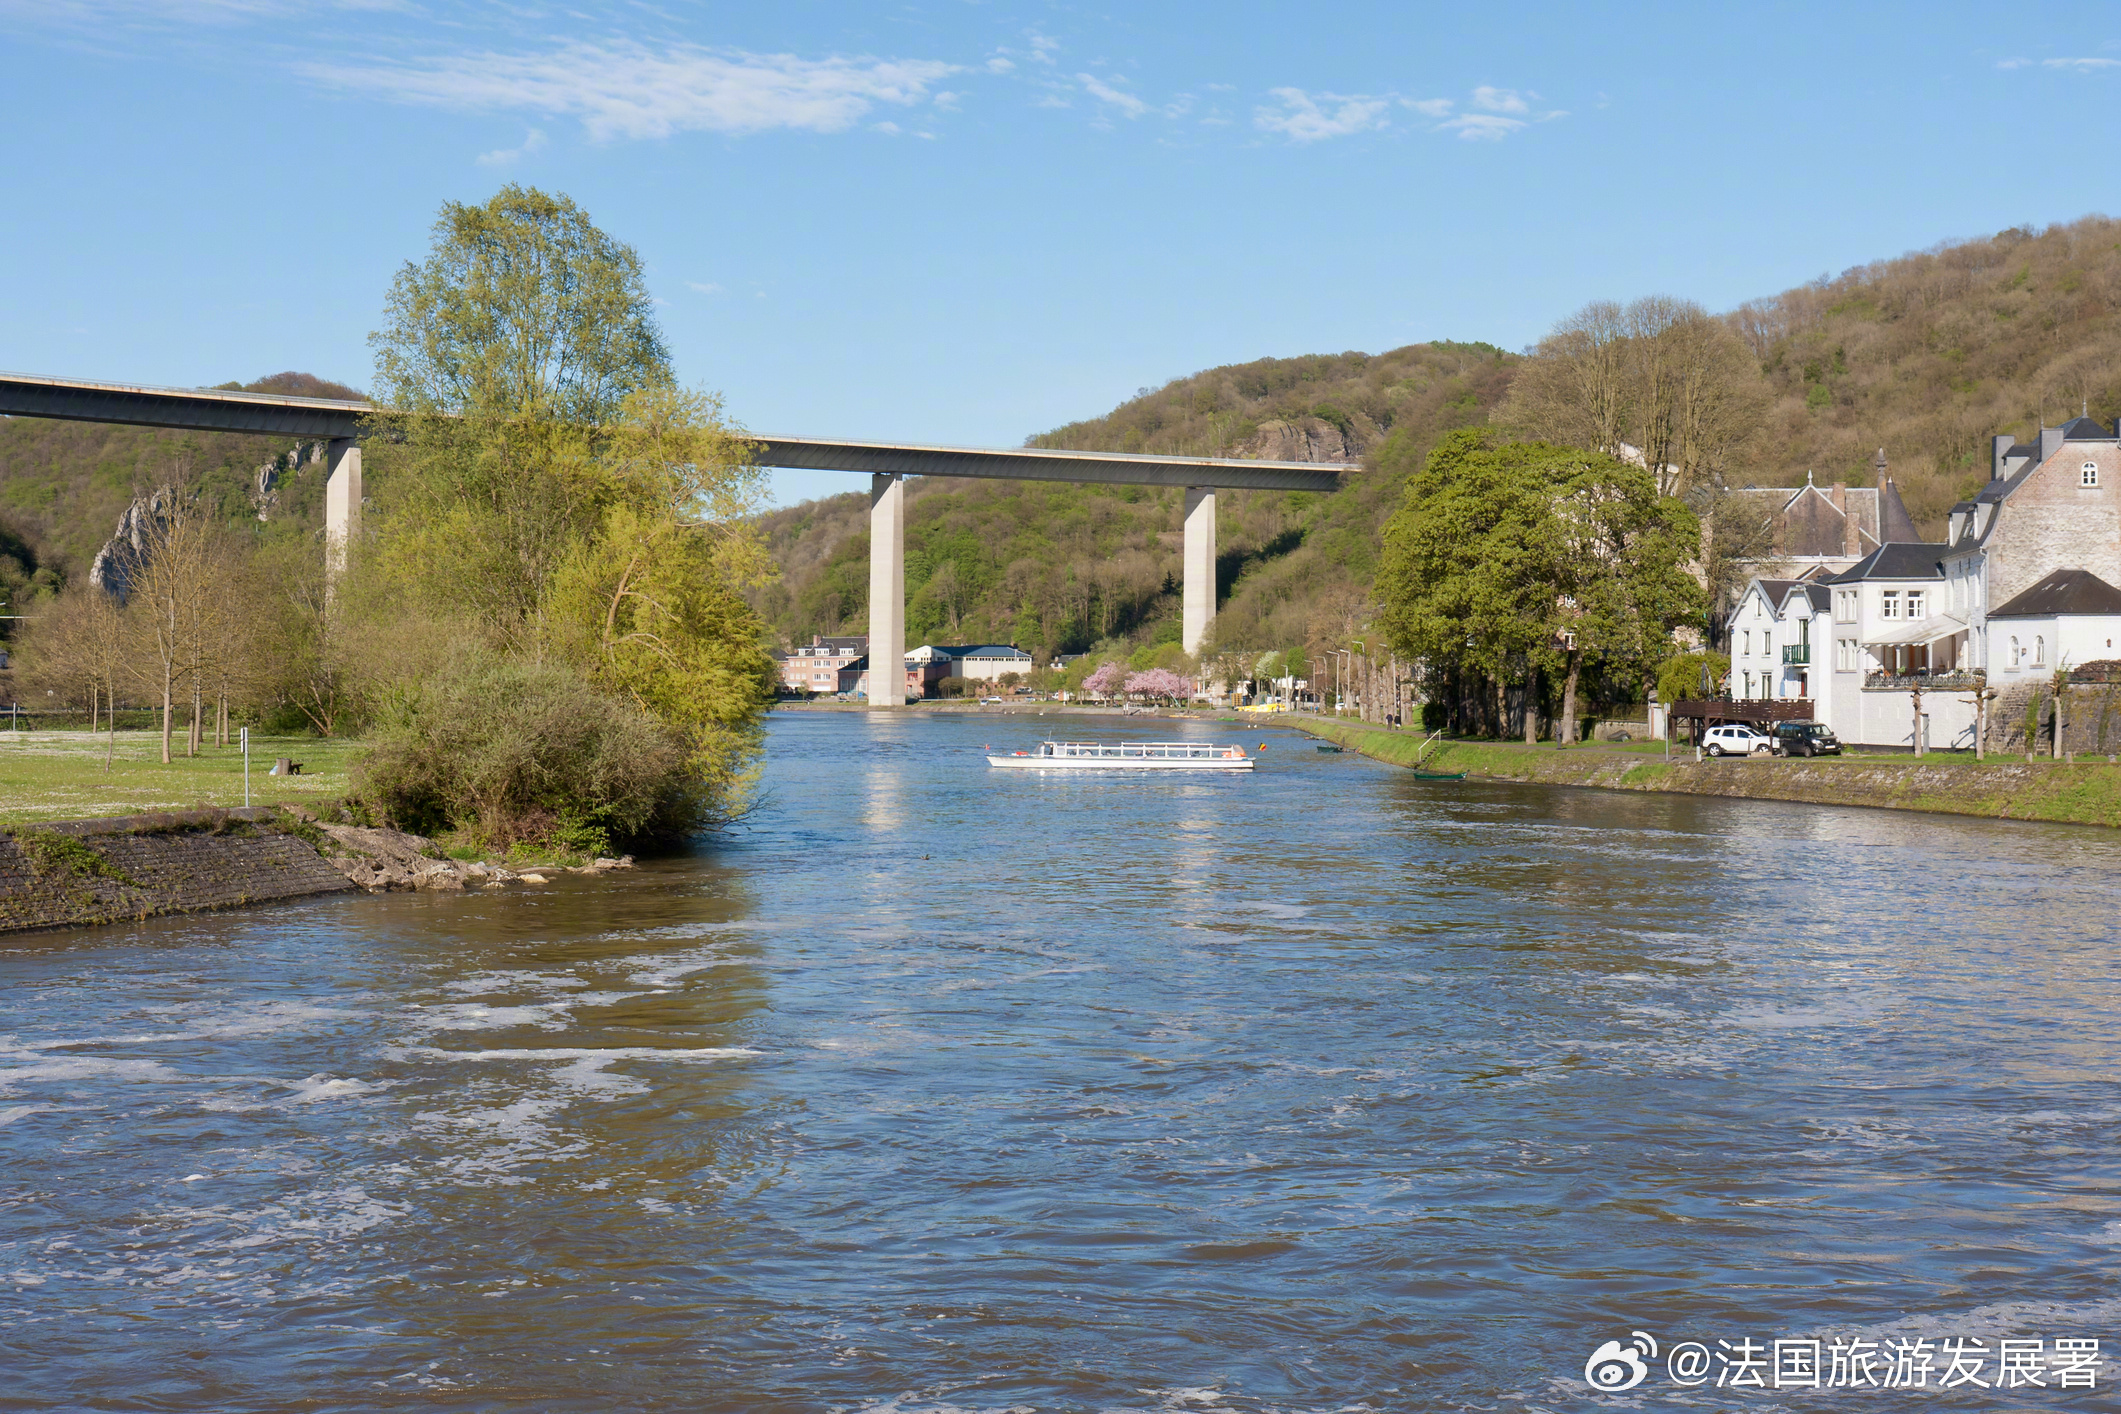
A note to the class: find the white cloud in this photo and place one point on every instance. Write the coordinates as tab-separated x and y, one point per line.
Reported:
1430	107
1500	100
1478	127
1127	103
947	102
703	287
1301	118
502	157
1043	49
2013	63
887	129
999	65
623	89
2082	66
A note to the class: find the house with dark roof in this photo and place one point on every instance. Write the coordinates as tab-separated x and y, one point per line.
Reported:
2023	585
2068	619
1813	527
2032	560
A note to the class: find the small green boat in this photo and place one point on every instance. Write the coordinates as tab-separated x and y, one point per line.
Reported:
1324	747
1439	775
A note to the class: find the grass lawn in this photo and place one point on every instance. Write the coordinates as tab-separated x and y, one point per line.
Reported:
59	775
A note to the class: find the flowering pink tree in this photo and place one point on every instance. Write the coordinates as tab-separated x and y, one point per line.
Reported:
1161	682
1106	680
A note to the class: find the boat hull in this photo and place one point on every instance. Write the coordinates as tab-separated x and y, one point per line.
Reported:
1120	763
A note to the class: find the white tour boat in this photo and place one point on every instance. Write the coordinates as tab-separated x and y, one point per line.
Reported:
1127	756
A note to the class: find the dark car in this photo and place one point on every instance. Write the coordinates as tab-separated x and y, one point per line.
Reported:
1806	739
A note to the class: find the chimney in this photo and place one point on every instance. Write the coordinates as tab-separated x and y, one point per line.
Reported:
1999	444
2050	443
1851	530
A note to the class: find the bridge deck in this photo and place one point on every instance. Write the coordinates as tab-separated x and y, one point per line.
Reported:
202	409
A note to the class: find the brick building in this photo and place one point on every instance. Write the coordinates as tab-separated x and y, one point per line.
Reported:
818	666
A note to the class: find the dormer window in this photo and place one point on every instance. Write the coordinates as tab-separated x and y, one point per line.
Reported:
2090	474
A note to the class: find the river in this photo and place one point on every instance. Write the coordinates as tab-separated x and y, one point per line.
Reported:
933	1090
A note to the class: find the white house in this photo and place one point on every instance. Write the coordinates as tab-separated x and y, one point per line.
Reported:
2068	619
1772	631
2022	586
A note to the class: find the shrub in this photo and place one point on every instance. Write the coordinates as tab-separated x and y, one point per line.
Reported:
505	752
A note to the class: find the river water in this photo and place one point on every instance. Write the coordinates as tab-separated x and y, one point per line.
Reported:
931	1089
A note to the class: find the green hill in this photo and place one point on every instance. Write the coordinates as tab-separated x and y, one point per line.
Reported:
1062	568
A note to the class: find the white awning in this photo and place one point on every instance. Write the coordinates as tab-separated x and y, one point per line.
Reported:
1918	631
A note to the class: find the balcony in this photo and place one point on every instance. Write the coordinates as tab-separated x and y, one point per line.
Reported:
1917	682
1797	655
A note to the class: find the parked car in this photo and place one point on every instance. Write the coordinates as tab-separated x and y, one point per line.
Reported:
1736	740
1806	739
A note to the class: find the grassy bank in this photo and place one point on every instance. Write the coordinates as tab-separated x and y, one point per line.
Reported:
2085	793
60	775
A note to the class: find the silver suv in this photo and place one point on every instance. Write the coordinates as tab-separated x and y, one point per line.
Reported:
1735	741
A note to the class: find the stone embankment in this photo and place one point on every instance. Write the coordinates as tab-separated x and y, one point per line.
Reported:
75	873
2084	793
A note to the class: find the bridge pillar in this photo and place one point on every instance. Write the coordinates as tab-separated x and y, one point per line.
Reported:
342	503
1199	567
887	590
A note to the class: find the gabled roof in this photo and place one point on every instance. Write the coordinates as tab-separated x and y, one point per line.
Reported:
1897	561
2083	429
2063	592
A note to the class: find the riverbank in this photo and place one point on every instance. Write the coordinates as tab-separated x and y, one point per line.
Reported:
80	873
2083	793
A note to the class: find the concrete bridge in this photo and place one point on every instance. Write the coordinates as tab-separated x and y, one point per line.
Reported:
887	464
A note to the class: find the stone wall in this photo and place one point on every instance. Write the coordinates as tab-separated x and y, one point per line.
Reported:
80	872
2091	719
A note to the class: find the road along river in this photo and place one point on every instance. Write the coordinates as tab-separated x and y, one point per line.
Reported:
942	1088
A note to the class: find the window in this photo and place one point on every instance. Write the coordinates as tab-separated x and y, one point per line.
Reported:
1914	603
1748	684
1848	655
1889	604
2090	474
2016	652
1844	606
2039	651
1748	637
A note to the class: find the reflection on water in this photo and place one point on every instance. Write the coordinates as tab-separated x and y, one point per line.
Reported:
1318	1089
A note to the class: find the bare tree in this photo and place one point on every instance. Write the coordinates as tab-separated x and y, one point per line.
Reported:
1575	388
173	582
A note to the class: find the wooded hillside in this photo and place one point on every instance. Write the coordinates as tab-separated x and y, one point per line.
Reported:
63	485
1928	354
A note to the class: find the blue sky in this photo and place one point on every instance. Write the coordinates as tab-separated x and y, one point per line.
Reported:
965	223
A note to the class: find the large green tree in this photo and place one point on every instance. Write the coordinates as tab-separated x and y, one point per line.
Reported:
554	497
1516	561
